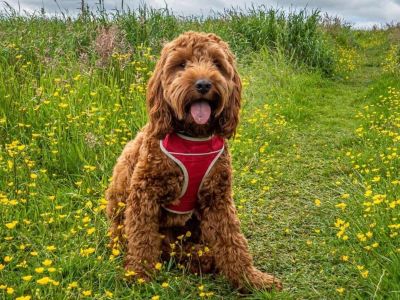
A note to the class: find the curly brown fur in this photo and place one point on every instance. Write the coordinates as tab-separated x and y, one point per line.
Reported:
145	179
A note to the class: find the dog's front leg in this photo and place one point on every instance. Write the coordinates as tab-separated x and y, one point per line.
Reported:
142	230
220	228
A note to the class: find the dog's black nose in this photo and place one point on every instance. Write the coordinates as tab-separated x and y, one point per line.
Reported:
203	85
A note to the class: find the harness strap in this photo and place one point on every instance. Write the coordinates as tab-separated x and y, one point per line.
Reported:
195	157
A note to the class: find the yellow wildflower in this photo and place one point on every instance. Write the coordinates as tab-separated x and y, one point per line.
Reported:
51	248
47	262
130	273
340	290
87	252
23	298
344	258
11	225
341	205
87	293
43	281
109	294
27	278
364	274
73	285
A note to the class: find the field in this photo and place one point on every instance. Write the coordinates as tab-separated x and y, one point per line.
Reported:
316	156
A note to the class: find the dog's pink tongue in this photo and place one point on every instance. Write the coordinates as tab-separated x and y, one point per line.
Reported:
201	112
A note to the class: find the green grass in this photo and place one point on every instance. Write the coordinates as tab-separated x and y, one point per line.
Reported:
319	133
67	110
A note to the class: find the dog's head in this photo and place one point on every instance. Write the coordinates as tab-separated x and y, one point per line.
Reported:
195	88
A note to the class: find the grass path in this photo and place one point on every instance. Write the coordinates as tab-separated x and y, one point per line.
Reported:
308	155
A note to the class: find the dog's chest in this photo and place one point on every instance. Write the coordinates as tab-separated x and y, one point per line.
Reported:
195	157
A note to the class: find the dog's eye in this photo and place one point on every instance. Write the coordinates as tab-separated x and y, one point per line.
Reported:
217	64
182	65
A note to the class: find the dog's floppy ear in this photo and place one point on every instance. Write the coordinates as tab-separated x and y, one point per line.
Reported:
230	115
160	118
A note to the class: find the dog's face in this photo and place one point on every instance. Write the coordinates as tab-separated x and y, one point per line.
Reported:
195	88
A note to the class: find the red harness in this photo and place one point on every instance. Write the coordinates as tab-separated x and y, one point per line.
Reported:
196	157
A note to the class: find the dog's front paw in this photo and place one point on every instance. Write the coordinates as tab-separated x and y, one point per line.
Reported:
259	280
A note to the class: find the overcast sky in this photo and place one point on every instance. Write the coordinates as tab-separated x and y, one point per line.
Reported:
361	13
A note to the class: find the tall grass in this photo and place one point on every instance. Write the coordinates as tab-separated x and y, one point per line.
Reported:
297	33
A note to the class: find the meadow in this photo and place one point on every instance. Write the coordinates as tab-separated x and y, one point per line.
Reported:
316	156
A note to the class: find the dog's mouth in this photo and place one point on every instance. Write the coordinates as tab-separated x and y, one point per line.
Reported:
201	110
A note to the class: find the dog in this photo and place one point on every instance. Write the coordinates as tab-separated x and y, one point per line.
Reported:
172	185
